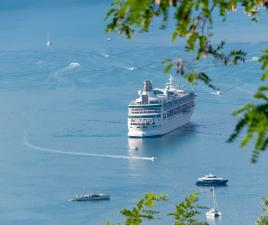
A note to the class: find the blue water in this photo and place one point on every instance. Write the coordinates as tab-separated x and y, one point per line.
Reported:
63	116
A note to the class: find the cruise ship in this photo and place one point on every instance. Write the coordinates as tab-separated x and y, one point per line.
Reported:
159	111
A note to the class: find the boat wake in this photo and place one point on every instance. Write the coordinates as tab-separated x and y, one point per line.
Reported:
83	154
59	74
250	92
130	68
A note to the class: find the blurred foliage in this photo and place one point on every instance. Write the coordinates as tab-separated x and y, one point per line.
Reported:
255	117
193	21
263	219
185	212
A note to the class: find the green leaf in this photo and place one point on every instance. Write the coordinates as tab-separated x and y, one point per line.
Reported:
264	75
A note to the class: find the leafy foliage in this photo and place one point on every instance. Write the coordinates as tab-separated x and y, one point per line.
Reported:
263	219
255	117
193	21
142	210
185	213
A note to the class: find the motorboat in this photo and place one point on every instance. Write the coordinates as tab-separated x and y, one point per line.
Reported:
211	180
216	92
131	68
134	148
213	212
91	197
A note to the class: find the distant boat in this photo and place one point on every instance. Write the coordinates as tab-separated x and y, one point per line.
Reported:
48	40
108	39
211	180
91	197
106	55
216	92
254	59
131	68
213	212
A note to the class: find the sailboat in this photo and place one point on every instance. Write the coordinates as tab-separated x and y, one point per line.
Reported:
213	212
48	40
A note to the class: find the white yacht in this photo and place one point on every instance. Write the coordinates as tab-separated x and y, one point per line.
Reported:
159	111
211	180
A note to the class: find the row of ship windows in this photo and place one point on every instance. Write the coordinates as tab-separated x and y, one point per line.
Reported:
166	105
143	126
142	122
179	109
172	104
145	108
131	111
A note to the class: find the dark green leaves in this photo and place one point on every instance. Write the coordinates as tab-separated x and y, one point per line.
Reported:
255	120
237	55
254	117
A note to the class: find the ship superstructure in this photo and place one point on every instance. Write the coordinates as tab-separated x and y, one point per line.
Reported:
159	111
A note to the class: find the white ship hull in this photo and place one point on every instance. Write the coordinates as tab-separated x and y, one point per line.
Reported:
159	111
163	126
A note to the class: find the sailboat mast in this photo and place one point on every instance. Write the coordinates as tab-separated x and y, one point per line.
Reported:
214	198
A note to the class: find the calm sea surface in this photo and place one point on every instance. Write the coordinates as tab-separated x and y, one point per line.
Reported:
63	118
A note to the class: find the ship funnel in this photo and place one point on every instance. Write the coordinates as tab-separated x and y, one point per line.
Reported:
147	86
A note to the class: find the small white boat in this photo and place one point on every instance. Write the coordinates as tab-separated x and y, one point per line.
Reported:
213	212
106	55
216	92
48	40
131	68
91	197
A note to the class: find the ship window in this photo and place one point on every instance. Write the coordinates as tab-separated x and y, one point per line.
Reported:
157	92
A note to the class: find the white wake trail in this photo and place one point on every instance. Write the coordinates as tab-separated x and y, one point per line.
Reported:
61	73
55	151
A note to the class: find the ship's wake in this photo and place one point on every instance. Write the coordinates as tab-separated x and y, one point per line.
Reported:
59	74
83	154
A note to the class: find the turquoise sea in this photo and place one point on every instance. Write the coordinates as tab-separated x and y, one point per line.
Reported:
63	118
